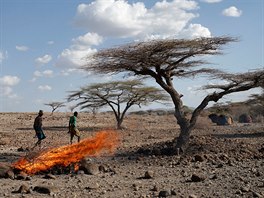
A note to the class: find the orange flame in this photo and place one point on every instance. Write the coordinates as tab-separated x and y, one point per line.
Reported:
102	142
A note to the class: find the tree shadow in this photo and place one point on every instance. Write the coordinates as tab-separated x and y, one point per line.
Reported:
50	128
24	128
93	129
240	135
166	148
54	128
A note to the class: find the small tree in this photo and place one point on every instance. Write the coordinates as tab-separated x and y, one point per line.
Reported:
163	60
55	105
115	94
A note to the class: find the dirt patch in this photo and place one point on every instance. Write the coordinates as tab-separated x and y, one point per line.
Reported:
222	161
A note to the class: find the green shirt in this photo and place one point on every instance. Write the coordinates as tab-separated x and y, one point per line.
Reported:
73	121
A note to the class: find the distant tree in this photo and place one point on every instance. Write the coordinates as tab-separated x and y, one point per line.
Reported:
256	104
164	60
118	95
55	105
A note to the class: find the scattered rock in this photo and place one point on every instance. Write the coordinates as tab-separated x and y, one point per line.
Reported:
89	168
149	175
24	188
245	189
46	189
20	149
5	141
4	168
10	174
198	158
93	186
135	187
164	193
256	194
197	178
49	176
155	188
173	192
22	176
103	168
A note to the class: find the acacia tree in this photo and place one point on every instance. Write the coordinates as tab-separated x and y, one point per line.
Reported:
118	95
164	60
55	105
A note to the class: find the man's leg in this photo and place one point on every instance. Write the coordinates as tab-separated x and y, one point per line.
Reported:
72	135
77	133
36	144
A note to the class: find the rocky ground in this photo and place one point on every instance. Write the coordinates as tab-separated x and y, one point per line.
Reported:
222	161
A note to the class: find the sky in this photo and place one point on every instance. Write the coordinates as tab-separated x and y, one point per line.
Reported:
44	42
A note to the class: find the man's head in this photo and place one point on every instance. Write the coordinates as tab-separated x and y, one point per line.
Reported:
40	112
75	113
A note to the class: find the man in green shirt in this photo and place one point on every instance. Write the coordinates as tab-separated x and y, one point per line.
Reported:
73	127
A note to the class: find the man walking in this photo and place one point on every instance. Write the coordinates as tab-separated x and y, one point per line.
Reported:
73	127
38	128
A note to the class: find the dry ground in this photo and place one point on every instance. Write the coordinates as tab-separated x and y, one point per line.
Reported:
227	160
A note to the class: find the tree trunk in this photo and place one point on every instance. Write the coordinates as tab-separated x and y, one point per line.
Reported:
119	123
182	142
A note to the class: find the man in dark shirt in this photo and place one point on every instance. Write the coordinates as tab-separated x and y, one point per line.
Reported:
38	128
73	127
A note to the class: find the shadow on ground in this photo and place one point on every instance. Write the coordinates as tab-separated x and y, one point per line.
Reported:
239	135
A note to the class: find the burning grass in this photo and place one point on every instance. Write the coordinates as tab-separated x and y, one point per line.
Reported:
103	142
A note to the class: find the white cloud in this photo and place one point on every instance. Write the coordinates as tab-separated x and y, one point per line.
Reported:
50	42
69	71
75	55
22	48
43	60
195	31
37	74
88	39
3	56
48	73
121	19
232	12
7	92
7	82
111	18
44	88
45	73
211	1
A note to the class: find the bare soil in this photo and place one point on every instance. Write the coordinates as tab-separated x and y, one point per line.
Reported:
222	161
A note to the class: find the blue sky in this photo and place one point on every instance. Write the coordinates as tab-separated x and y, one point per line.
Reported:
43	42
